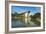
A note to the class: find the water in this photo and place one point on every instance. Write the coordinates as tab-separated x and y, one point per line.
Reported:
23	23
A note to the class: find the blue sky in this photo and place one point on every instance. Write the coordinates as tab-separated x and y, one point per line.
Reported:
25	8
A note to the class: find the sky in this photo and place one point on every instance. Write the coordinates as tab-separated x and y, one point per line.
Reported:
25	8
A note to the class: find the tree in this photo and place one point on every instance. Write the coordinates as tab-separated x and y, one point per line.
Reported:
13	15
37	15
34	18
29	11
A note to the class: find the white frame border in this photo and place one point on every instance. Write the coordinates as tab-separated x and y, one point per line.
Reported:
27	28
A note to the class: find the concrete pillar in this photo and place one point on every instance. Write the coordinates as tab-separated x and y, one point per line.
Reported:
26	17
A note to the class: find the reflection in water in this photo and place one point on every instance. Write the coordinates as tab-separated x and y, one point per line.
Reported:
26	20
23	23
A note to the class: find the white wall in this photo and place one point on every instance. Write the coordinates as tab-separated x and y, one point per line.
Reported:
2	17
2	12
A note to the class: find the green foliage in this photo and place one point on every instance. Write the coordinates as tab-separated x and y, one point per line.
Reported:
35	21
34	18
36	15
16	14
13	15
